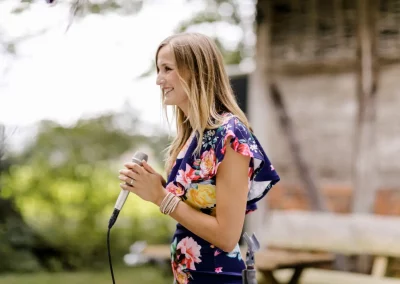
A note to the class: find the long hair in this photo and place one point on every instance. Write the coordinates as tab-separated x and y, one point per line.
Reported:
201	71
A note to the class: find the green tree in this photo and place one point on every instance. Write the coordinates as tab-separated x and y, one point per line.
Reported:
64	186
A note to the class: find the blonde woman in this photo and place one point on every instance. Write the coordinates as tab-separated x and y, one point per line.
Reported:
217	169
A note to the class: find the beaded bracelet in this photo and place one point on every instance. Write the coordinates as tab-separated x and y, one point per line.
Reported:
169	203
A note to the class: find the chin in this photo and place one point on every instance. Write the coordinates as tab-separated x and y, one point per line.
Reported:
168	103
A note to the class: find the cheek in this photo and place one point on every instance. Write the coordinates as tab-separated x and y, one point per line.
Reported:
175	80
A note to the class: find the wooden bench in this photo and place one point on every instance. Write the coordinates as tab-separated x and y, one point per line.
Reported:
267	261
320	276
347	234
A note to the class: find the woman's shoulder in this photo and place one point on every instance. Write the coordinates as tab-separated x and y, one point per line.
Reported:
231	129
230	120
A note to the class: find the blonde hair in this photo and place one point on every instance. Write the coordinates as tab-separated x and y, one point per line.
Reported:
201	70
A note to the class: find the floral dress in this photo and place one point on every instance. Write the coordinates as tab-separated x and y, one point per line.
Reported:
193	179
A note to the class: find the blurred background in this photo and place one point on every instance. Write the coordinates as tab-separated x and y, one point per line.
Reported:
318	79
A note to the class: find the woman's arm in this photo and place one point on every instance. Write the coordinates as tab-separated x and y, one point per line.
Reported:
225	229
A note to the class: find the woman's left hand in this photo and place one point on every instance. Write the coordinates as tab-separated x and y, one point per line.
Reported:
146	182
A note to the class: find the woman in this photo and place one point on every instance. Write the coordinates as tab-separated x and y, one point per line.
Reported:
213	183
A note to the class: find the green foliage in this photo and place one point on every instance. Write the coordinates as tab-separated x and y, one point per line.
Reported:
65	185
86	7
123	7
123	275
217	12
14	236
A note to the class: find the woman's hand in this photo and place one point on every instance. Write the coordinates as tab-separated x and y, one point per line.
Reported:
144	181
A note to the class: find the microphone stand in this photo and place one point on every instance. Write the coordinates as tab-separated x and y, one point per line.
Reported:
249	273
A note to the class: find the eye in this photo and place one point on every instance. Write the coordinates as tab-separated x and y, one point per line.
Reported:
167	69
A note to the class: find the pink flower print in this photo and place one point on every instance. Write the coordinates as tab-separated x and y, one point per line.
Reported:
207	165
217	252
241	148
229	134
197	162
272	168
191	250
185	177
176	190
250	172
218	269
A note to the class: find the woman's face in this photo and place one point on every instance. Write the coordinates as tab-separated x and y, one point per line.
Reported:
168	80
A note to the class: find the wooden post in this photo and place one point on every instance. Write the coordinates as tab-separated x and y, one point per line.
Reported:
312	29
258	114
339	22
365	178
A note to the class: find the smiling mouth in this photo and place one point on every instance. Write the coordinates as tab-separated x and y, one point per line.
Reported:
167	92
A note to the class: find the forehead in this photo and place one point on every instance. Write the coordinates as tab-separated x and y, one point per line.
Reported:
165	56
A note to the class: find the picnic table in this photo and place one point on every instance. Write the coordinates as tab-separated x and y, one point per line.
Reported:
267	260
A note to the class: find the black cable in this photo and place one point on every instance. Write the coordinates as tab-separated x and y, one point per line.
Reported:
113	218
109	255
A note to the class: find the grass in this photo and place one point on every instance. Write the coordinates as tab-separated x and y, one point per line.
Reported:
123	275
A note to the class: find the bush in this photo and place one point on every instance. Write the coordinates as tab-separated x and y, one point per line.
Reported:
70	209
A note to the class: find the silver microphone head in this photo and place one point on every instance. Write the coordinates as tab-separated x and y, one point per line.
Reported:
138	157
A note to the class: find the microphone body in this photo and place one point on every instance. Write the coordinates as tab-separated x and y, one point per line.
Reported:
138	157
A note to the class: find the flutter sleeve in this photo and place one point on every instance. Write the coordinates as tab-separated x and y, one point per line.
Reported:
262	175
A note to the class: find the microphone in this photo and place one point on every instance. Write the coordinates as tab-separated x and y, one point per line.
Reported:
138	157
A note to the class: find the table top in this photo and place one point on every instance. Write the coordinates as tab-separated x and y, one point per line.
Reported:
267	259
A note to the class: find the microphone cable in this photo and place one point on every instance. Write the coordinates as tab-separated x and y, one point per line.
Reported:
110	224
109	255
137	159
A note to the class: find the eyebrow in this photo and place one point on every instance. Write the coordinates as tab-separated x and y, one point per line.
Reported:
164	64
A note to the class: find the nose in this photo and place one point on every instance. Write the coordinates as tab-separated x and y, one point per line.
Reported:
160	81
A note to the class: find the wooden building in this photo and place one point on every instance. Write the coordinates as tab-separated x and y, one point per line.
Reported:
330	59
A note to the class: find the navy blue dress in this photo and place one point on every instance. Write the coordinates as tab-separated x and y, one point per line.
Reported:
193	179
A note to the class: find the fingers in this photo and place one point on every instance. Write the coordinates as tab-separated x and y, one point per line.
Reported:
126	179
124	186
147	167
134	173
134	167
129	173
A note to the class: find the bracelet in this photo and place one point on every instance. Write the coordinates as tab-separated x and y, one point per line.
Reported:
166	200
169	203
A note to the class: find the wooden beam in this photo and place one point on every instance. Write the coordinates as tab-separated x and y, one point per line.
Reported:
365	153
349	234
